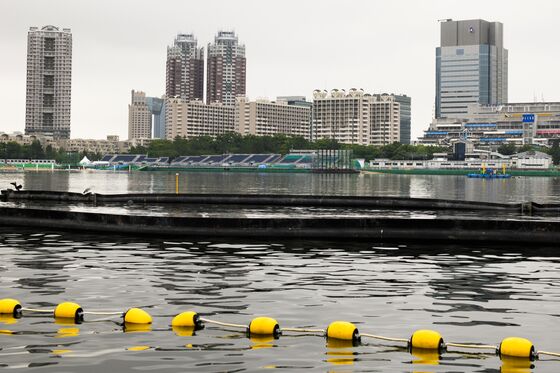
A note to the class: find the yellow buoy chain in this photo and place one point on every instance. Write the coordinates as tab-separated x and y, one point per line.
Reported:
136	319
384	338
223	323
304	330
465	345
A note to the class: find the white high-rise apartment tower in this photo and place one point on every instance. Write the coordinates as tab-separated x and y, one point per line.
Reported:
49	82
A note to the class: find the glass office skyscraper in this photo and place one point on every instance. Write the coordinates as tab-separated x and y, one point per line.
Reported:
471	66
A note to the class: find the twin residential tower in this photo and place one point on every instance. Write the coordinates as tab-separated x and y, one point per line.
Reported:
226	69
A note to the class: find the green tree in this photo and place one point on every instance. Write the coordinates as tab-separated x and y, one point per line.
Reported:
36	150
555	152
14	150
507	149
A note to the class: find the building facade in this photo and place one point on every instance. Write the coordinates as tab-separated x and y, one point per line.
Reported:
267	118
156	106
356	117
385	119
471	67
110	145
146	115
488	126
189	119
405	118
139	117
226	69
49	82
184	76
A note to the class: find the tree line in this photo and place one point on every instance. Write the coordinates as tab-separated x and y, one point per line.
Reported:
13	150
251	144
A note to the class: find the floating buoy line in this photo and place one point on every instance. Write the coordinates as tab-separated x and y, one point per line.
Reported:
186	323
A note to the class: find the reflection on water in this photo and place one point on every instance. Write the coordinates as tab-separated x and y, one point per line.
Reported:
469	295
517	189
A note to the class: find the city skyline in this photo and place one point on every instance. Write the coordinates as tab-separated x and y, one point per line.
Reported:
284	58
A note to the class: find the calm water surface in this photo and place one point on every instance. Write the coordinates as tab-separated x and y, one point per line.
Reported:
477	294
468	293
518	189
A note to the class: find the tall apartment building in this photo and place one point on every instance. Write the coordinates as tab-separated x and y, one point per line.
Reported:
267	118
145	114
385	119
356	117
139	117
184	75
226	69
471	66
194	118
49	82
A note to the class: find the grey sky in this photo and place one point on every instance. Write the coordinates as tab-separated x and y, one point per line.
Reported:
293	47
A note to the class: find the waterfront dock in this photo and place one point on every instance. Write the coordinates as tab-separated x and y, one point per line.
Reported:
526	223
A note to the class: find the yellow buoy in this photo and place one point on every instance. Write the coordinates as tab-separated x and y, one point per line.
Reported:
8	319
340	343
9	307
138	348
425	357
129	327
517	347
262	341
68	332
516	365
188	318
183	331
137	316
264	326
69	310
343	330
426	339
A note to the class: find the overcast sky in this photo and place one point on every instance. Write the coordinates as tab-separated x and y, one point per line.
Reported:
293	47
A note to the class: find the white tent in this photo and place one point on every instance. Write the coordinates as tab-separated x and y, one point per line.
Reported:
85	161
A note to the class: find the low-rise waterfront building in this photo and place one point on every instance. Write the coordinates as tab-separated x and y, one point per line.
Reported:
21	139
289	115
111	145
355	117
194	118
487	126
524	161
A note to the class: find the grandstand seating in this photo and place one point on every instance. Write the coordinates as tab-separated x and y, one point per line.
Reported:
214	159
259	158
237	158
194	159
291	158
211	160
124	158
